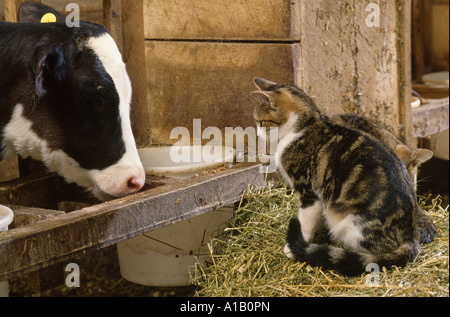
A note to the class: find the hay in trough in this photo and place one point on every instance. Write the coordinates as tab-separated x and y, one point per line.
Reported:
248	259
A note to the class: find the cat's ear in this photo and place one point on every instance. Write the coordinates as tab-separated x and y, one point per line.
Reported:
263	84
413	157
264	97
421	155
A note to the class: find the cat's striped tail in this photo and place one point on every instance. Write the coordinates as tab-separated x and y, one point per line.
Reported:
346	262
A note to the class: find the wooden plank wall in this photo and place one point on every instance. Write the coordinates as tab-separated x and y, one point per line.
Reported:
258	20
196	59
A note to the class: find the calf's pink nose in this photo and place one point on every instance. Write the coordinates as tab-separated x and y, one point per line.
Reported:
135	184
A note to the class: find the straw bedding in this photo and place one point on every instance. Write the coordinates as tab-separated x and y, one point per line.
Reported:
248	259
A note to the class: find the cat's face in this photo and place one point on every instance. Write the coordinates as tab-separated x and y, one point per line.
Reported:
268	112
281	105
272	104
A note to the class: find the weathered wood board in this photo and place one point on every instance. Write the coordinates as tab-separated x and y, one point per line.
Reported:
207	81
24	216
344	64
39	245
250	20
180	71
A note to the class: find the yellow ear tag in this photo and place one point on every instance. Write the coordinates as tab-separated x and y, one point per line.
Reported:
48	18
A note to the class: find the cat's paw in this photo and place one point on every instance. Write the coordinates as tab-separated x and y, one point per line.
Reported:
426	227
288	252
427	232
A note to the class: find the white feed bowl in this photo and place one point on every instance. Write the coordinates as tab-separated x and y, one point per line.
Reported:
183	161
437	78
6	218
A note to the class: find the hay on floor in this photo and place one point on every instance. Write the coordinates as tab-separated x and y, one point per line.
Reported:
248	259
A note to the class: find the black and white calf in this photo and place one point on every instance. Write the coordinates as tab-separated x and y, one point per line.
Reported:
65	100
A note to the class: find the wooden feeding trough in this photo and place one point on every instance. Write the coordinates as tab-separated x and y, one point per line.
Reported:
44	236
189	61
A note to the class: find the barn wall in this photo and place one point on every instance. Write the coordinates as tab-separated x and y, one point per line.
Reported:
191	59
196	59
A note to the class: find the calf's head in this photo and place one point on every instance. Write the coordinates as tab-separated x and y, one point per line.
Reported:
77	120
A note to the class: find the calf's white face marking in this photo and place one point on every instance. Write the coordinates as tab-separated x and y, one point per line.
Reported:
126	176
108	53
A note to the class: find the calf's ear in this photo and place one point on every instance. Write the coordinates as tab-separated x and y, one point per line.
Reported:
33	12
50	67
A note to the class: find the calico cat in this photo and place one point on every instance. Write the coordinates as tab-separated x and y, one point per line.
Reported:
411	157
342	177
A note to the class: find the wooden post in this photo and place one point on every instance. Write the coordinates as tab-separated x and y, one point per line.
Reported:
134	56
404	70
12	8
112	19
349	65
417	39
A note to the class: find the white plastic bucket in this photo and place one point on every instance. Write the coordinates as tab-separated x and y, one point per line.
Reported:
6	218
167	256
440	141
439	145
